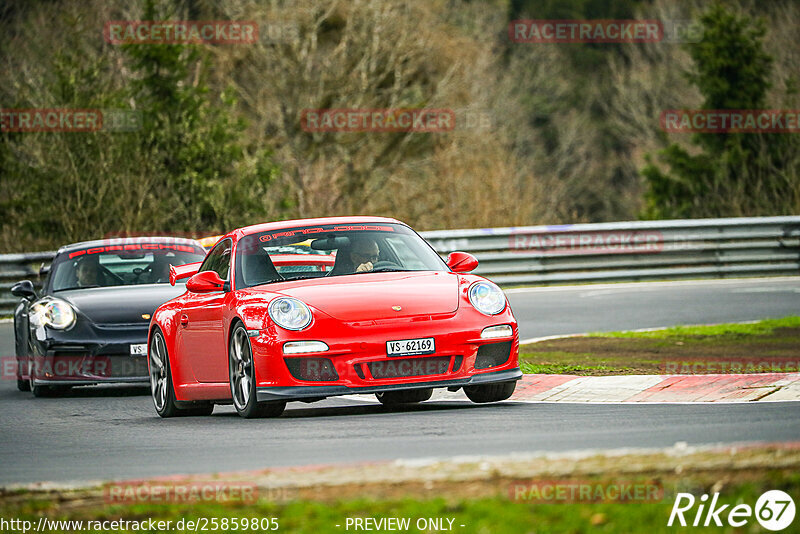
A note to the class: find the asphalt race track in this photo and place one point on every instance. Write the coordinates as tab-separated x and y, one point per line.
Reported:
546	311
113	432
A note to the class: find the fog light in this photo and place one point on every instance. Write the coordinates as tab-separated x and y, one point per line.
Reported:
494	332
301	347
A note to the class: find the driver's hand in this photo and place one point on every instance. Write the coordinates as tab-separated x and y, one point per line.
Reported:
364	267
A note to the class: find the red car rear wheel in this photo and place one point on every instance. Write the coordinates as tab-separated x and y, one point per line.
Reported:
161	387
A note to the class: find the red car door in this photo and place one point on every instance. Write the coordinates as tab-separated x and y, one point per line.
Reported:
203	342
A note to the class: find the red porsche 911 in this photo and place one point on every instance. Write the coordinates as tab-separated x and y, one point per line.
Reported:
390	318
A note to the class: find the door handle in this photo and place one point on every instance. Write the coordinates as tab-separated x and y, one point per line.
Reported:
184	319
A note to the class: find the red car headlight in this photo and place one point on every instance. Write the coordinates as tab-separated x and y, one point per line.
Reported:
487	298
289	313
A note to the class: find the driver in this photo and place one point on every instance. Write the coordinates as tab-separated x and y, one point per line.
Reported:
364	253
87	271
159	270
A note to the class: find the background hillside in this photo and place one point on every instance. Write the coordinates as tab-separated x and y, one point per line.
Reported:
547	133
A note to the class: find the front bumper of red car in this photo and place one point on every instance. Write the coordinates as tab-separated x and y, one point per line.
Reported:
317	392
356	360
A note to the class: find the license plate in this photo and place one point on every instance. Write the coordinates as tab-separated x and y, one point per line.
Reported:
410	347
140	349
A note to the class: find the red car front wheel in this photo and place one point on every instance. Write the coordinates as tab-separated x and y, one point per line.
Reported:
243	379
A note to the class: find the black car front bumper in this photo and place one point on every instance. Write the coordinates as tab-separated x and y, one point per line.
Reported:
88	354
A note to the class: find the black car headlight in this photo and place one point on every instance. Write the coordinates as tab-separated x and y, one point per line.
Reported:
54	313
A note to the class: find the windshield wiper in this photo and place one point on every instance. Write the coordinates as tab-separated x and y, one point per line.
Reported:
75	287
299	277
282	280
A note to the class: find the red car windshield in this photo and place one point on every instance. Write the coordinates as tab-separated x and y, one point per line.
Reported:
357	248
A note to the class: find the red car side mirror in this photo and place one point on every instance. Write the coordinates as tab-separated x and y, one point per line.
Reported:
205	282
462	262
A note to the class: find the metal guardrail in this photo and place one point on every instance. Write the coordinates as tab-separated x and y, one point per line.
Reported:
630	251
619	251
16	267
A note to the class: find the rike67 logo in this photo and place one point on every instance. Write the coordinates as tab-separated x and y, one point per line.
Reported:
774	510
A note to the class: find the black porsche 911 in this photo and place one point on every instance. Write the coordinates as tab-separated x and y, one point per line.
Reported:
89	324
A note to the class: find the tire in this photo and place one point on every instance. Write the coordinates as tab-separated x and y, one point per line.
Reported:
404	396
41	392
491	392
45	392
22	384
242	378
162	390
38	391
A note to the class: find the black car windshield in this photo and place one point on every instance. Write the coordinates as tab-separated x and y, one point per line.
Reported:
120	265
261	257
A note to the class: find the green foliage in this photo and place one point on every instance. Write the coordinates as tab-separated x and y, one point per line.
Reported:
192	139
732	68
187	168
727	174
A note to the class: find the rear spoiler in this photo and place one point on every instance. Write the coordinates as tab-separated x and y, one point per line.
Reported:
183	271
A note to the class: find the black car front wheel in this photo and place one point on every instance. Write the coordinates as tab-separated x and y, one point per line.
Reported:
46	391
22	384
41	391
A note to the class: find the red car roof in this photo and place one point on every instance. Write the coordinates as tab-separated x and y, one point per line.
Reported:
278	225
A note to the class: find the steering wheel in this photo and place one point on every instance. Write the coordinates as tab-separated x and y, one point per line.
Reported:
138	272
385	264
116	277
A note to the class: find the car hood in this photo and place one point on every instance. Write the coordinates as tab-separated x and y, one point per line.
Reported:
374	296
120	304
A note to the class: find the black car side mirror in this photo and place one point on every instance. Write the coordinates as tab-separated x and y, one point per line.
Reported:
24	289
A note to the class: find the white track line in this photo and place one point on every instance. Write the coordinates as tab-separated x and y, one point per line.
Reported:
652	285
530	340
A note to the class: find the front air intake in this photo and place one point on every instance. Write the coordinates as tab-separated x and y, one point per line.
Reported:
312	369
492	355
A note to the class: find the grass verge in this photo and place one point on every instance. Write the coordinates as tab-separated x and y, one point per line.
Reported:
502	494
772	345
